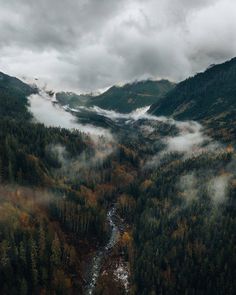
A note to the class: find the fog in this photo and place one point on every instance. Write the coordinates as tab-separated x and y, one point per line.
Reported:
190	132
46	111
188	141
188	186
138	114
218	188
190	137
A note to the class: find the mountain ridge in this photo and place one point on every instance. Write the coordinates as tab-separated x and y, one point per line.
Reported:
123	99
13	97
208	97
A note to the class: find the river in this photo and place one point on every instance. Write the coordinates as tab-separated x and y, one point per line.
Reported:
100	255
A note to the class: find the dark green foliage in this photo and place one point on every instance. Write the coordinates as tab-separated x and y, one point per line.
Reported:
185	247
13	101
24	155
209	97
123	99
132	96
72	99
31	254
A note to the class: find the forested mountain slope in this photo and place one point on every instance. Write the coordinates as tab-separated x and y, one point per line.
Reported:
13	97
38	248
72	99
23	143
209	97
131	96
122	99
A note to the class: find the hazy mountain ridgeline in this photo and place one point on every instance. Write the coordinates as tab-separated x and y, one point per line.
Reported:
123	99
131	96
209	97
72	99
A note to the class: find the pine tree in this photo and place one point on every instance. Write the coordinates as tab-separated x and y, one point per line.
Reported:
33	262
56	252
23	287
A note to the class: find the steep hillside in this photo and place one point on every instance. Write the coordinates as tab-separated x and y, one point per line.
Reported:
13	97
209	97
48	253
24	156
123	99
72	99
132	96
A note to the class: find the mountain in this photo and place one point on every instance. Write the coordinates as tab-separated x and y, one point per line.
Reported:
123	99
13	84
148	208
72	99
13	97
209	97
132	96
30	153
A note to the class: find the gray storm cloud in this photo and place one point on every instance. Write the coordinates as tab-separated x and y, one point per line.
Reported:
87	45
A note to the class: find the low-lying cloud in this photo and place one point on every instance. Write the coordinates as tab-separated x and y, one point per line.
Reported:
190	138
218	188
51	114
188	186
77	167
190	135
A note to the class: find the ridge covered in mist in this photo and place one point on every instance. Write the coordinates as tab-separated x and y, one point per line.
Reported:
209	97
122	99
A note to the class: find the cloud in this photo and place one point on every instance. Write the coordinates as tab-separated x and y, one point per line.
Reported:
191	186
188	186
190	138
53	115
218	188
77	167
88	44
138	114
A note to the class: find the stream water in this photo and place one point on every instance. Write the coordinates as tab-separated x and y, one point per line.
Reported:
97	260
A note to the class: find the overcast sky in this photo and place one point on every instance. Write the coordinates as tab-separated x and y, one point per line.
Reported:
85	45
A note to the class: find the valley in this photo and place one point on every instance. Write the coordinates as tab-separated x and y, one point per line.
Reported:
100	201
